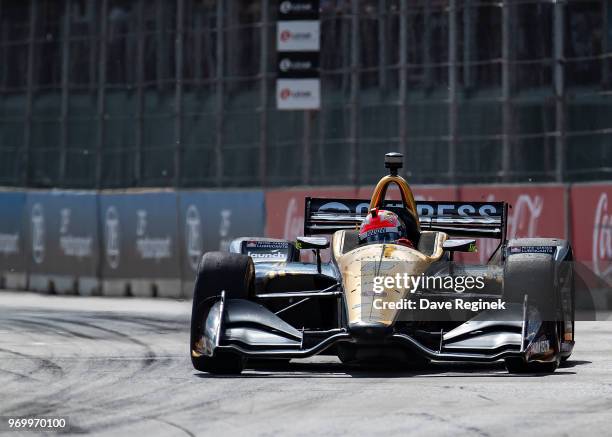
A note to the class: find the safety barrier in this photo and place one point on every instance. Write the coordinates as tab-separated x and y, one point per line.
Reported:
149	242
143	243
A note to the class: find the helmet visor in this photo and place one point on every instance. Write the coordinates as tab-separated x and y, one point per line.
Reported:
380	235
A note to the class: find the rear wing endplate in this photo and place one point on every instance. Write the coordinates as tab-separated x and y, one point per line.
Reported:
465	219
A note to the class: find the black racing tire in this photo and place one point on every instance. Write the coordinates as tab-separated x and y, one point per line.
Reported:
533	275
537	276
219	271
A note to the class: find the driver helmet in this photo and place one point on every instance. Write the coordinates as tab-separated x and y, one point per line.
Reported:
381	226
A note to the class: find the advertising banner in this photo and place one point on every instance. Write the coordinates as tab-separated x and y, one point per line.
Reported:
298	36
591	226
298	65
140	254
209	221
298	93
62	241
298	40
12	240
535	211
298	10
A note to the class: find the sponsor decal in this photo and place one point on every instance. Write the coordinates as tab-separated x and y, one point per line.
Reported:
267	250
464	210
361	208
547	250
540	347
602	238
298	65
296	94
268	255
267	244
286	65
299	8
112	236
38	233
193	232
297	36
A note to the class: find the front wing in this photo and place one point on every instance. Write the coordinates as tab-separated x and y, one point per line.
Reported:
253	331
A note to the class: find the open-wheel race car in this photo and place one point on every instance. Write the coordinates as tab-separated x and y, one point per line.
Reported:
260	302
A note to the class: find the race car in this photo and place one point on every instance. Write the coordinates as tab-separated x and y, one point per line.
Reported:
262	302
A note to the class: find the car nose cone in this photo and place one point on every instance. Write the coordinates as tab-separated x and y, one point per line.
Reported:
370	330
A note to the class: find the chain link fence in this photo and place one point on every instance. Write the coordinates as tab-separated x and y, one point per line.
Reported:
120	93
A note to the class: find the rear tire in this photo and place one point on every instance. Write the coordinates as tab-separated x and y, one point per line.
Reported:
219	271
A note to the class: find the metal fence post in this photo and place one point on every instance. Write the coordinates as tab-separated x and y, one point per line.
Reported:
452	89
263	120
101	92
468	42
3	53
506	85
403	75
160	45
605	46
139	92
64	97
27	134
427	68
354	96
219	96
382	45
307	146
559	72
178	90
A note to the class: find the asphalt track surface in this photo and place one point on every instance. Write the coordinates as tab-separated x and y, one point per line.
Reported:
121	367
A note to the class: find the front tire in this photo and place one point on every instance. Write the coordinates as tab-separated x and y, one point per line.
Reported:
219	271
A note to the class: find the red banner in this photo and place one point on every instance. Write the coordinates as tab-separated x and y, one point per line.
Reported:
591	226
535	211
285	209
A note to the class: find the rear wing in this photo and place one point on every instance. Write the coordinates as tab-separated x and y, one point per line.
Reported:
460	219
